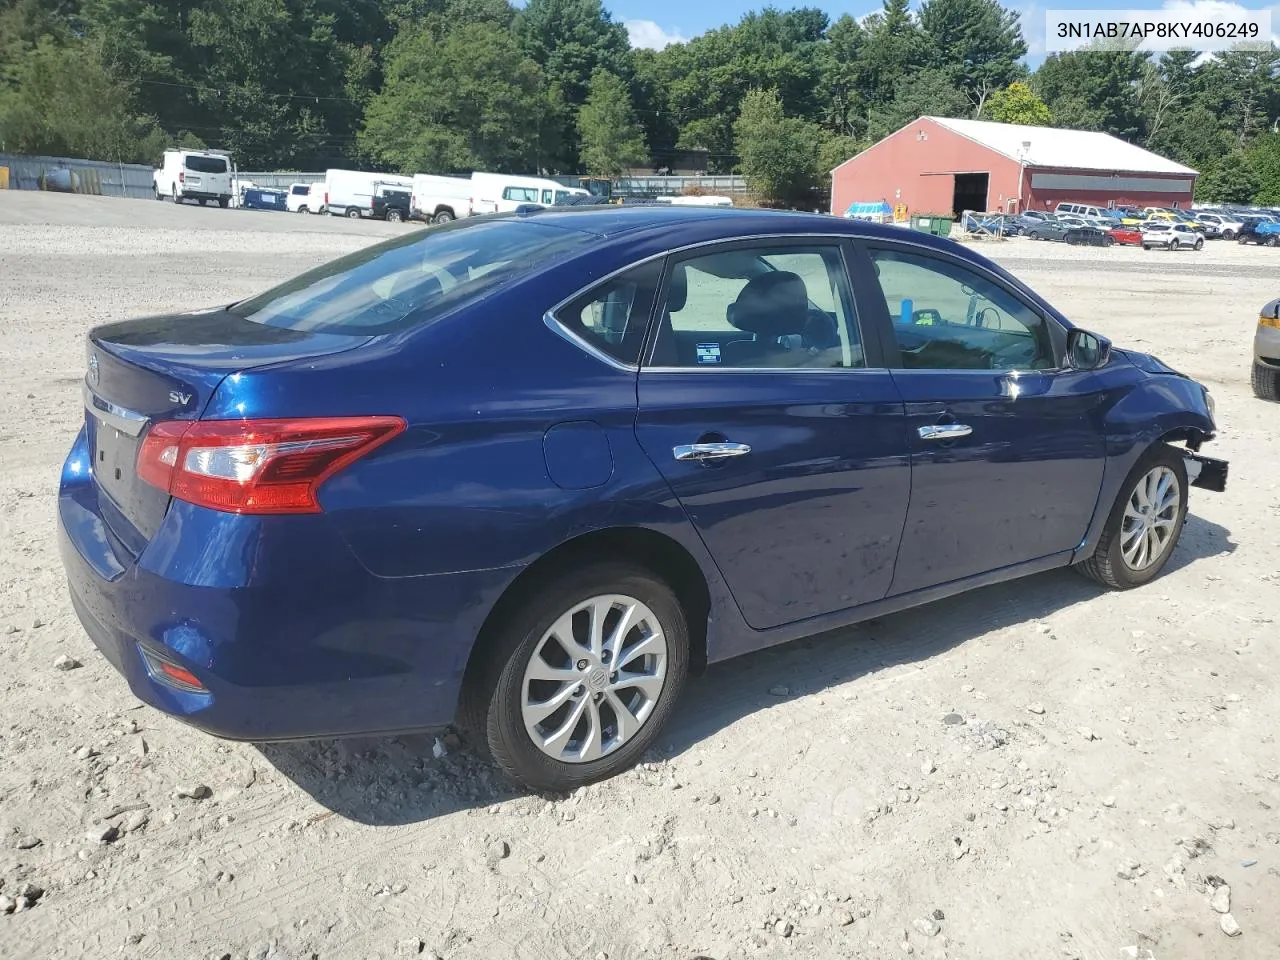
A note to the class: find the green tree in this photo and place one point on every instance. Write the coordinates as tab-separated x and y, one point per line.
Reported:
1263	160
978	42
1017	103
778	154
612	141
893	51
925	93
470	100
570	40
1093	90
1230	180
842	83
63	101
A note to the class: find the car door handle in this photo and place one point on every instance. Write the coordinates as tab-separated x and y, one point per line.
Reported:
709	451
945	431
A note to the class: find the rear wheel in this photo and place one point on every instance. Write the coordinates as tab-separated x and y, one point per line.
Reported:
1108	241
442	216
1173	244
173	192
303	210
1144	524
1266	381
393	216
353	213
1146	246
224	202
580	677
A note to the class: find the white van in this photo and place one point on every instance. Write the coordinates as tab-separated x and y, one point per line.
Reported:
441	199
1083	210
300	199
193	175
350	193
502	192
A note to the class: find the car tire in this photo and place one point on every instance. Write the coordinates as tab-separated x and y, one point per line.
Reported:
442	216
501	706
1173	244
1199	244
1228	234
1109	241
1146	246
1243	241
173	192
393	216
303	210
1266	381
1123	559
353	213
156	190
1273	241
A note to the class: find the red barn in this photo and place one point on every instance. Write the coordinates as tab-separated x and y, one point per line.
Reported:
942	166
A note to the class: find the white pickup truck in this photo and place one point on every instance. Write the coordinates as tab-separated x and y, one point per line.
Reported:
441	199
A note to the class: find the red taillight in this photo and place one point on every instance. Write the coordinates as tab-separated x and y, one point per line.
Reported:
257	466
182	177
326	198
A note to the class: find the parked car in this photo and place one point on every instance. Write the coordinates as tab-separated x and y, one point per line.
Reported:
1266	353
1089	235
193	175
349	193
996	224
300	199
1223	225
1172	235
441	199
1265	233
1126	235
502	192
390	204
259	198
1055	229
529	472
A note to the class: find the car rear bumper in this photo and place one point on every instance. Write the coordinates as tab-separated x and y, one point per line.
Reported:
290	640
189	194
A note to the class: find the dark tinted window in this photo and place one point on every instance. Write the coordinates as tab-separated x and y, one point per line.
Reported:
412	279
613	316
299	190
206	164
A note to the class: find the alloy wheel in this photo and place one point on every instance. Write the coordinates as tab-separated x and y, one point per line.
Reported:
1150	518
594	678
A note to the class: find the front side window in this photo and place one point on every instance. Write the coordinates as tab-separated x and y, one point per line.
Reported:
948	317
613	317
760	307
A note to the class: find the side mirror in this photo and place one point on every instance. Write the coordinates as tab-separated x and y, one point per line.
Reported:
1087	351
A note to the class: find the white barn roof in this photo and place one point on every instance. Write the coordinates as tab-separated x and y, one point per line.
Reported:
1052	147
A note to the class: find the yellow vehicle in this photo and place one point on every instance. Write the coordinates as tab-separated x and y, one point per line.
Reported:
1172	216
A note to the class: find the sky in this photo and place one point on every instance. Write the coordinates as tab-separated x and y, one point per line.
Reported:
655	23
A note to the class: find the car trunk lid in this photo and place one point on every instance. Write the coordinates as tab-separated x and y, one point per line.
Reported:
141	372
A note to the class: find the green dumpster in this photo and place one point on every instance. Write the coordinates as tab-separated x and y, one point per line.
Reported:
939	226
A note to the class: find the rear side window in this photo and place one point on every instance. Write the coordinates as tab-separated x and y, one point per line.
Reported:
412	280
613	316
523	194
299	190
199	164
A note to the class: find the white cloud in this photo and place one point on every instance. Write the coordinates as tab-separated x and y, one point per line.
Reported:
648	35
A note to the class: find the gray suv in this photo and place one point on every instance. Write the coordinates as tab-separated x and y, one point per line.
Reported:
1266	353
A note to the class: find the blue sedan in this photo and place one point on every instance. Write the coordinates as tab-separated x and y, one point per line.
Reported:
526	473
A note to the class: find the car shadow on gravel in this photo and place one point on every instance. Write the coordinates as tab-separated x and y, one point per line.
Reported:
399	780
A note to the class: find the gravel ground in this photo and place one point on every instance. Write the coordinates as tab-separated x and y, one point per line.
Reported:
1034	770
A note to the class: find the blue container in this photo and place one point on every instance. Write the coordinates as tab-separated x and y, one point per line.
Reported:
258	199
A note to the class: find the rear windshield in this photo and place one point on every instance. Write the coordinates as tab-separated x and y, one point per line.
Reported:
411	280
299	189
207	164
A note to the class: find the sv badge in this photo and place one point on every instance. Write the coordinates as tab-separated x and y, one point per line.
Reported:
180	398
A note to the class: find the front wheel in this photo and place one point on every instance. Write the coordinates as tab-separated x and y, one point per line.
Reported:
1146	246
1228	234
579	678
1199	245
1272	241
442	216
1144	524
1109	242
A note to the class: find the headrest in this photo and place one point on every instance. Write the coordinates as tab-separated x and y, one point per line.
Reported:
771	305
677	289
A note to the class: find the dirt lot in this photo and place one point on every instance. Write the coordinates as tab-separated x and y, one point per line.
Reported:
1117	750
